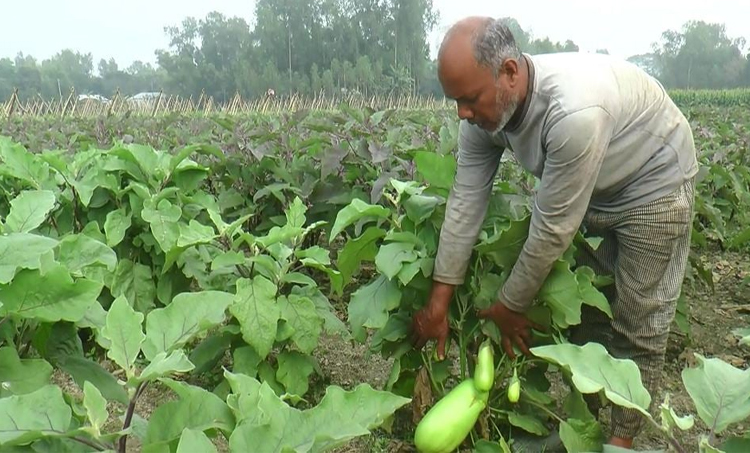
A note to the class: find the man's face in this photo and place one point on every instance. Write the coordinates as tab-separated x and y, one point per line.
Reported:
481	98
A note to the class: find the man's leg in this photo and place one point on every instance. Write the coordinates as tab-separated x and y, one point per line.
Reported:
653	247
595	325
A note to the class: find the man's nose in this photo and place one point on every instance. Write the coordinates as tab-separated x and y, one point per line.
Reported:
465	113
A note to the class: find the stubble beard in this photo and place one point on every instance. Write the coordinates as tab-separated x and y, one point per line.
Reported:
506	109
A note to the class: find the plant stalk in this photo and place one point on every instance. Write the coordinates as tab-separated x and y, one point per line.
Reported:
129	417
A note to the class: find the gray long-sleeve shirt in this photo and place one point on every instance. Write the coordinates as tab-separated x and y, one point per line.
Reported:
599	132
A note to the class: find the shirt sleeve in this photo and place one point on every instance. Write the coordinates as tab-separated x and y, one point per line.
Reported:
576	146
478	160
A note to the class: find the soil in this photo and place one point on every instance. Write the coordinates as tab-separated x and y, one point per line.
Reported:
712	317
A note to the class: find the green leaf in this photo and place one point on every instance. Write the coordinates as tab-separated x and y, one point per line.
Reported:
301	315
269	425
96	406
163	221
736	445
25	418
370	304
438	170
18	163
744	334
51	297
207	150
188	315
356	250
116	225
594	370
294	370
29	210
20	376
560	292
391	258
589	294
528	423
193	440
721	392
84	370
196	409
504	246
134	281
355	211
163	364
256	310
123	330
420	207
78	251
580	435
331	323
670	419
485	446
22	251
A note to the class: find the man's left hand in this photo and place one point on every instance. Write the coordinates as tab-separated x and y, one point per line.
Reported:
514	327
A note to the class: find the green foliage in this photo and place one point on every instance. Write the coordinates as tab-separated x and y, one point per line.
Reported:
222	250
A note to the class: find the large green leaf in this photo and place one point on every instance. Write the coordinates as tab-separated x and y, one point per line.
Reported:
29	210
22	251
356	250
560	292
196	409
84	370
78	251
438	170
580	435
96	406
188	315
269	425
392	256
256	310
721	392
294	371
505	244
163	220
301	316
135	282
18	163
163	365
52	296
20	376
370	304
116	224
192	440
125	334
24	418
594	370
354	211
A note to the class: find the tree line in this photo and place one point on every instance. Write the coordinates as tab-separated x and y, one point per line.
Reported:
353	47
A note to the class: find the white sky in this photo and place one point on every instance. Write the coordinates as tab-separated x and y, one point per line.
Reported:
134	29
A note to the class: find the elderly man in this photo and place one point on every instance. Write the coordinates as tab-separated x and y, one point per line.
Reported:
611	151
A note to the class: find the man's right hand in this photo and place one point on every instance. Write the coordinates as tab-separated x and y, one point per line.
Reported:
431	321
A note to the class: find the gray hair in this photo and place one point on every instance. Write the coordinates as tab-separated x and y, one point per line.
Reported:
493	44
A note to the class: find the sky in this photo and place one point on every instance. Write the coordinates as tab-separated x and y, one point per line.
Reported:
133	30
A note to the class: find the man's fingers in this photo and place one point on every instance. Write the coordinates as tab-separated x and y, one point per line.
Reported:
441	347
508	347
522	345
538	327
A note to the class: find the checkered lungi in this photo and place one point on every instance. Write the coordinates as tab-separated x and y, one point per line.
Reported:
646	250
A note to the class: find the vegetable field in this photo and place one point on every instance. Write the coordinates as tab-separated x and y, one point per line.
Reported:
183	283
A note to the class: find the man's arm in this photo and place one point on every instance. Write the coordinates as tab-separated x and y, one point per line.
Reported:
478	160
576	147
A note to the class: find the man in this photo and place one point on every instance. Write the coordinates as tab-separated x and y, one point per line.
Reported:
612	152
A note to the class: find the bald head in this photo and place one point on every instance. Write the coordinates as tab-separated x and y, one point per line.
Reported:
478	40
480	66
